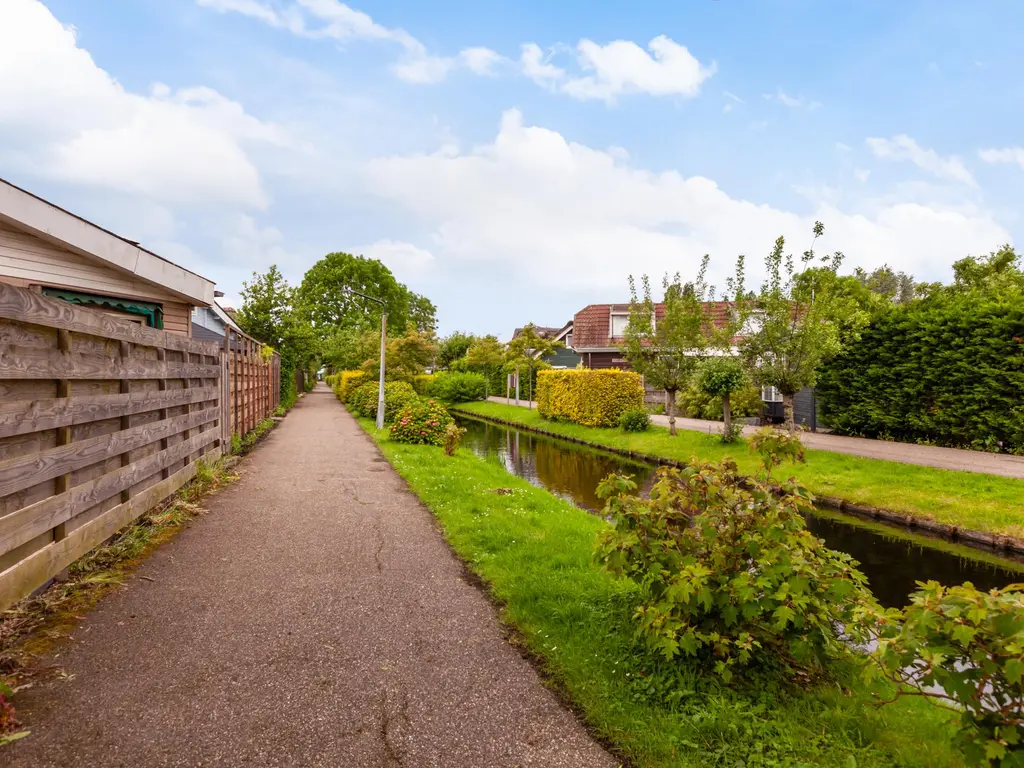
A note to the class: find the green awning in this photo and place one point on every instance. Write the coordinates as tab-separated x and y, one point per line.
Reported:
153	313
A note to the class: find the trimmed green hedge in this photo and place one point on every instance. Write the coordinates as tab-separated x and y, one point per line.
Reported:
947	370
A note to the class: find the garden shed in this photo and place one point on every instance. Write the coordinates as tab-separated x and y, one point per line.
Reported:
48	249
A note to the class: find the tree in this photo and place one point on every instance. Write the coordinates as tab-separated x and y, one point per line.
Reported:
266	303
486	354
896	287
346	349
667	349
798	321
721	377
999	270
453	347
528	350
407	356
268	315
324	300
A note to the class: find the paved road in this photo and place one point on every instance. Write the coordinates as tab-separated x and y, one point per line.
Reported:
314	617
905	453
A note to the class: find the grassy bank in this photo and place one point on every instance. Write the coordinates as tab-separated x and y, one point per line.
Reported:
987	503
534	551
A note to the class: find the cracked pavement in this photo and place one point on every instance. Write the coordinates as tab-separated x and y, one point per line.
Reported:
314	617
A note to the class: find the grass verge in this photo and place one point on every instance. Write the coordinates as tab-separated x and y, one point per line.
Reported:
35	626
534	553
987	503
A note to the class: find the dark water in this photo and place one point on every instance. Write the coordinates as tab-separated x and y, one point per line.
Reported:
891	559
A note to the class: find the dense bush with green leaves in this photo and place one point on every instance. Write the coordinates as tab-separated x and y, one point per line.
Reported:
964	650
422	383
637	420
728	571
423	422
695	404
458	387
948	369
397	395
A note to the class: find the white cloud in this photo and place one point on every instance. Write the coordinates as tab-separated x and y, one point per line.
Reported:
793	102
564	212
861	174
1007	155
621	67
400	257
904	148
607	71
78	124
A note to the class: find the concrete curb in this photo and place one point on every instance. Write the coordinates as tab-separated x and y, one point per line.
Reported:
967	536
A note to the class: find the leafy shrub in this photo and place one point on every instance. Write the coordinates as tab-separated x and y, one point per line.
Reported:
964	650
634	421
452	437
422	383
594	398
695	404
458	387
423	422
947	369
344	382
397	395
730	573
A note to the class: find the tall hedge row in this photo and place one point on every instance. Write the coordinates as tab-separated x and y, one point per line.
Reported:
594	398
947	370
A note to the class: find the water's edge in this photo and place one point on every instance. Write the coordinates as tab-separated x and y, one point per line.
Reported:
988	542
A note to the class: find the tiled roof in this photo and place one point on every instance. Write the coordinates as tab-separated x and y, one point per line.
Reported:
592	324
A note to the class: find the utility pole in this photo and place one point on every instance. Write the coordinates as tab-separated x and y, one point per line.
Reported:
383	347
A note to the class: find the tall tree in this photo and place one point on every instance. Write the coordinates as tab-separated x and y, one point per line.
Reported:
666	350
528	350
797	320
323	296
266	304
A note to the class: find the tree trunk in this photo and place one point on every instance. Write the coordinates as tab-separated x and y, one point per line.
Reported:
727	415
670	410
787	408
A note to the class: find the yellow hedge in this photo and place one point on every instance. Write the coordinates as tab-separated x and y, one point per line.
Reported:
594	398
344	382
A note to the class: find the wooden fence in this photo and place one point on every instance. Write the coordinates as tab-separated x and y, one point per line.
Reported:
254	373
101	419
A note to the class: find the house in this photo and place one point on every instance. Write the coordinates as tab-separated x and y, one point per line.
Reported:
210	323
565	357
599	332
46	248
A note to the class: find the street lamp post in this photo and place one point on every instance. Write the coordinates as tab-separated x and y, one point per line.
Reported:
383	342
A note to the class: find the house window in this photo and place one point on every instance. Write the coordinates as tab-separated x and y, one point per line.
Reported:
141	311
771	395
619	323
568	340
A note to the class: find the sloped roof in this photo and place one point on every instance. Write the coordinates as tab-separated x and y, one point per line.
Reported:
43	219
592	324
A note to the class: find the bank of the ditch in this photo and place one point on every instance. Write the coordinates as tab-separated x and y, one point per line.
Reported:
534	553
981	509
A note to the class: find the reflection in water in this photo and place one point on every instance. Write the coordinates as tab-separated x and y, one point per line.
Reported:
892	563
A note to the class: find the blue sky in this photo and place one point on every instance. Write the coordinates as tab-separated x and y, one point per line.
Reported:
517	161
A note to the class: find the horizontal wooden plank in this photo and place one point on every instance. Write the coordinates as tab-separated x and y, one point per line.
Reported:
31	307
27	523
26	471
39	363
35	570
24	416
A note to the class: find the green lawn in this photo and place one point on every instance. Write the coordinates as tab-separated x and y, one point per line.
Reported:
535	553
988	503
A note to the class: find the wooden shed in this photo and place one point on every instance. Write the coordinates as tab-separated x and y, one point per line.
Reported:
45	248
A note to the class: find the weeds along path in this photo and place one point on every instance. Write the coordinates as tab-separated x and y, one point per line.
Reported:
315	617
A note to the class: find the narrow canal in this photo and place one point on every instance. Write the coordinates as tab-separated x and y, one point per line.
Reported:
892	559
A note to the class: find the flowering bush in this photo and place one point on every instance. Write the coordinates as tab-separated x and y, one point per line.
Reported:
452	438
424	422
